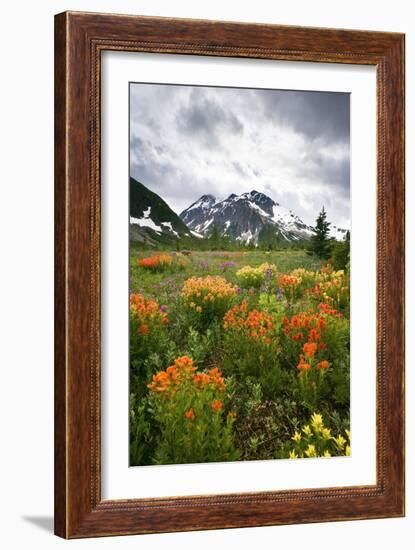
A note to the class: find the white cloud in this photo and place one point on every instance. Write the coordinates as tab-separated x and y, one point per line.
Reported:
187	141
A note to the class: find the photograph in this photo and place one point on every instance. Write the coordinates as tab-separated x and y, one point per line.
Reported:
239	274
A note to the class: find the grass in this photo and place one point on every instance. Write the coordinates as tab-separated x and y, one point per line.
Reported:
199	264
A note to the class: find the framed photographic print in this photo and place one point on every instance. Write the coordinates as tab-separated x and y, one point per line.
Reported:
229	277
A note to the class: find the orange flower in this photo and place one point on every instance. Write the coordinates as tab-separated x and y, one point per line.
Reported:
184	363
217	405
156	263
217	379
313	335
254	324
303	366
160	382
288	280
190	414
143	329
201	379
146	312
323	365
232	414
310	348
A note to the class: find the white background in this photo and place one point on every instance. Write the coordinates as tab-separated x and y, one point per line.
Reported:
26	299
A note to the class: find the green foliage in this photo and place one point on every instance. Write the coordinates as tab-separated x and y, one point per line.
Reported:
316	440
320	243
263	384
190	413
340	253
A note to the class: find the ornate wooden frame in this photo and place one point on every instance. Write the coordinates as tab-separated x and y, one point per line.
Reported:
79	40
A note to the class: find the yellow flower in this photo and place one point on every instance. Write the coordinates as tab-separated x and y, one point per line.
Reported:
348	433
311	451
347	450
307	430
296	437
340	441
317	422
293	454
326	454
326	433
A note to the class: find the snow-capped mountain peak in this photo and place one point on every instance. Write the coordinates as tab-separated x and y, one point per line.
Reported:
251	217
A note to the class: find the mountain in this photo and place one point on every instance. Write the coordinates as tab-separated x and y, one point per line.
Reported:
250	217
151	219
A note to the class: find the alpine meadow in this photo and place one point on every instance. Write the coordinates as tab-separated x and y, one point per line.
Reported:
239	274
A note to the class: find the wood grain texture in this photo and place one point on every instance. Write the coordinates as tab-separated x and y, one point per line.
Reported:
79	40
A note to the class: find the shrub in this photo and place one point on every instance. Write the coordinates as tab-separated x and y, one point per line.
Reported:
207	299
189	408
316	440
250	277
291	286
148	323
332	288
252	346
255	277
318	345
328	329
162	262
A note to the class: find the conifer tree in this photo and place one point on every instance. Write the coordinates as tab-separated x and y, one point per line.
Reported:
320	242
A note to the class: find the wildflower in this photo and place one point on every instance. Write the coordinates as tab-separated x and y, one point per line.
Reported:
217	405
323	365
160	382
307	430
313	335
156	263
317	422
340	441
293	454
326	433
201	379
310	451
198	309
288	281
347	450
296	437
147	313
231	414
310	348
185	363
143	329
326	454
190	414
254	324
303	366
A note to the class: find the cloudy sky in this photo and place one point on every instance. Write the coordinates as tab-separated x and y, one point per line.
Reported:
186	141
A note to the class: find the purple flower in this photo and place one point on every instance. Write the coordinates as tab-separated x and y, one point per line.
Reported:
226	265
163	308
279	294
239	290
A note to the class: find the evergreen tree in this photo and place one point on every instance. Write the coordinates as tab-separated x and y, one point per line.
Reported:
214	239
320	242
